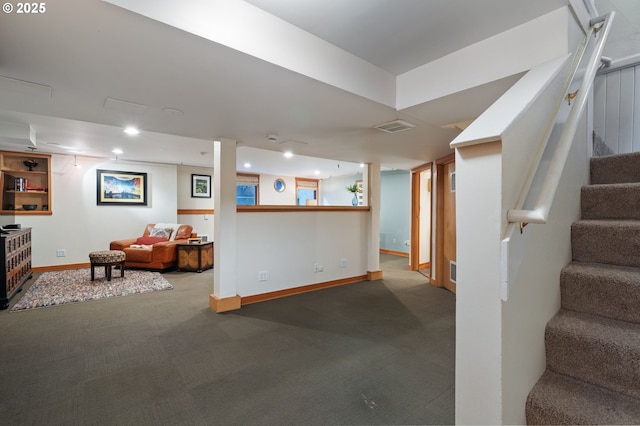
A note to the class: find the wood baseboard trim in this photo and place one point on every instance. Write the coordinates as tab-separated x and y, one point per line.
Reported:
247	300
224	305
374	275
424	265
395	253
61	267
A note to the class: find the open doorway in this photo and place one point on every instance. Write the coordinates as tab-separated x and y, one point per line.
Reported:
421	217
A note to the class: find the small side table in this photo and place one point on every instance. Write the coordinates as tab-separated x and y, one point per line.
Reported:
195	257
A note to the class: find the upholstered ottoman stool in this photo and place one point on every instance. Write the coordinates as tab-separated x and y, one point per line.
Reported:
107	258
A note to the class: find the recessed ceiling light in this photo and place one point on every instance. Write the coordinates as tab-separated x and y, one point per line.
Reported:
317	172
117	151
131	131
247	165
361	164
288	154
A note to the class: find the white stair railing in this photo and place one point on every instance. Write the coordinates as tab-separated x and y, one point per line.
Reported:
598	33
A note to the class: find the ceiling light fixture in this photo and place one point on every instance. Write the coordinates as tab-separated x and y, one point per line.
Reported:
247	165
75	162
317	172
288	154
131	131
117	151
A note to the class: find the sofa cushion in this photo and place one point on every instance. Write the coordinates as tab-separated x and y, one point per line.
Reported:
139	254
150	240
161	232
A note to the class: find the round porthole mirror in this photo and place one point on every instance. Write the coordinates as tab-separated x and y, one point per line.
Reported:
279	185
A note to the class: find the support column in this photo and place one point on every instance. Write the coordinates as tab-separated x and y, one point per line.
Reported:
372	176
224	297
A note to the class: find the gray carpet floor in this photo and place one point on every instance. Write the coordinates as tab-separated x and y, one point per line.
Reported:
379	352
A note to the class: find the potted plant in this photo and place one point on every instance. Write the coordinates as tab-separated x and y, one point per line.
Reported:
354	190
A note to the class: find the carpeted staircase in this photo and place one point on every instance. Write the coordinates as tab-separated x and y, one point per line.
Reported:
593	342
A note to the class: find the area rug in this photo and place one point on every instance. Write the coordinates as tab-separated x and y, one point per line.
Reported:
75	285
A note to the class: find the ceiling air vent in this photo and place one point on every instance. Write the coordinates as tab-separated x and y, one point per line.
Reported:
394	126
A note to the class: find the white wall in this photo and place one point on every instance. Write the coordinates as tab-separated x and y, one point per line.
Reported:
617	111
500	346
334	192
395	210
508	53
534	295
79	225
270	197
202	223
288	244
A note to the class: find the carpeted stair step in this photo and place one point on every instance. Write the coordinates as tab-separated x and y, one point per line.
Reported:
605	290
619	168
616	242
560	400
611	201
596	350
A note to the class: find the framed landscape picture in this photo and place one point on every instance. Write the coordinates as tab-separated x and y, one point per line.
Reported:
200	186
121	188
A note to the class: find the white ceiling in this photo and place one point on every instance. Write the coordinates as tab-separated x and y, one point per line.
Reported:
80	53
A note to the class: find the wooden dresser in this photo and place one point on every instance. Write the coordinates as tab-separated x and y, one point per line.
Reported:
15	251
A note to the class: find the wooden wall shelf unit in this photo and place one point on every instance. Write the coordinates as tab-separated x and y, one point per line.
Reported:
23	187
15	253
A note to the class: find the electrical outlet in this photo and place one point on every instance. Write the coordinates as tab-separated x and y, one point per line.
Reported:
61	252
343	262
263	276
318	268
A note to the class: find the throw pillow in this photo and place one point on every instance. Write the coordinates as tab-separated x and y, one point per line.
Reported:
150	240
173	226
161	232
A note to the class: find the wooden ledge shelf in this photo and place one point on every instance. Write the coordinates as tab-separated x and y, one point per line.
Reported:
300	209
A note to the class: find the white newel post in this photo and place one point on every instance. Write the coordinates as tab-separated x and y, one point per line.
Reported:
479	219
224	297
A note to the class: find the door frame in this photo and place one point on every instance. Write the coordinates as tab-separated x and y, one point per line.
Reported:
414	252
438	281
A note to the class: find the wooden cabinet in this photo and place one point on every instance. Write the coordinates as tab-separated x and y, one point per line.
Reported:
195	257
26	188
15	252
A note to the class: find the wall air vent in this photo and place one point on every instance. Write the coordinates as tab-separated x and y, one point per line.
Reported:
395	126
453	271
